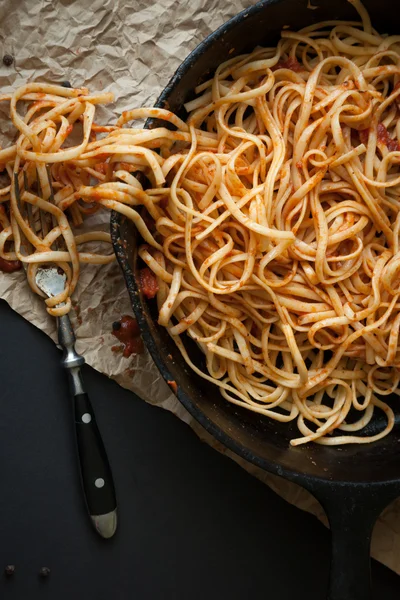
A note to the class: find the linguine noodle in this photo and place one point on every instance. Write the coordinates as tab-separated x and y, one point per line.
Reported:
270	219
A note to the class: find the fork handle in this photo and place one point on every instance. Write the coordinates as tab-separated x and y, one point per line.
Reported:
96	476
95	471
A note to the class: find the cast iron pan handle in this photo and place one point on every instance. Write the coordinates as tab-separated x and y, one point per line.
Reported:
352	510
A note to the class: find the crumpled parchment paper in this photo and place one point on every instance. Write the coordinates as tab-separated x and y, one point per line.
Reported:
132	49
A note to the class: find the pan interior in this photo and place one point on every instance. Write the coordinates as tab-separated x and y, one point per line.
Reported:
261	440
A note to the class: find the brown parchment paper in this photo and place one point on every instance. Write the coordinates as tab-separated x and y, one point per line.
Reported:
132	49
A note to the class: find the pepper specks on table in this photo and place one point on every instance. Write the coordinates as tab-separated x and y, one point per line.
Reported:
8	60
9	570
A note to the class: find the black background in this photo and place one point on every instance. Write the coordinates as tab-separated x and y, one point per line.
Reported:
193	525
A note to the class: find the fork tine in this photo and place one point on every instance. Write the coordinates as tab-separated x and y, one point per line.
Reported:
26	212
16	188
43	220
47	221
50	184
22	205
57	244
28	206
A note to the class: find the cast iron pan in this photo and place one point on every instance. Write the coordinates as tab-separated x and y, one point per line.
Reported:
353	483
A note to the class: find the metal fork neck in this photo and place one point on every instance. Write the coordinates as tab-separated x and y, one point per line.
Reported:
71	360
66	338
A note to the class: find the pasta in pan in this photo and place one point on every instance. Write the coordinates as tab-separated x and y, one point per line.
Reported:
270	219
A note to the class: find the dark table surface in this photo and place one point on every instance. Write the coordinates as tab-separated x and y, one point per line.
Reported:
193	525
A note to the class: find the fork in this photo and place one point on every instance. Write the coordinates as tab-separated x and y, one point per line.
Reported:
95	473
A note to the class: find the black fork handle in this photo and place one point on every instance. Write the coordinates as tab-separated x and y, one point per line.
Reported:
352	510
96	476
